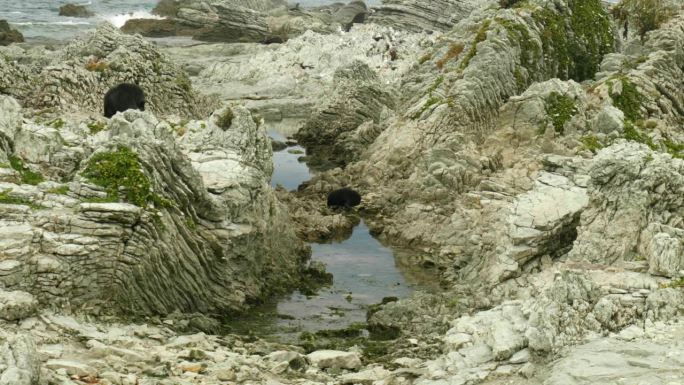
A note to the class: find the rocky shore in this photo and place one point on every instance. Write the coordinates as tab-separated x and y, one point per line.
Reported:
529	152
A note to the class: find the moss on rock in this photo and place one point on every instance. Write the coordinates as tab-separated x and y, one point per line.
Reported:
121	169
27	176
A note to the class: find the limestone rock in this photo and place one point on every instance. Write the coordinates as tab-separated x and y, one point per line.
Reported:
365	377
77	76
334	359
609	360
632	188
205	204
358	98
17	305
21	365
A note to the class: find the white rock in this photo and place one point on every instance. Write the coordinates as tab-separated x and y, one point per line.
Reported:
334	359
73	368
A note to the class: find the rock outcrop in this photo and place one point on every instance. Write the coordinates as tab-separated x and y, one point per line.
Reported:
77	77
9	35
358	97
417	16
147	218
74	10
635	210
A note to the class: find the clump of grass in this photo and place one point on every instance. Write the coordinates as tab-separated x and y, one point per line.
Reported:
633	134
454	51
57	123
628	100
27	176
674	149
121	169
225	120
591	143
95	127
62	190
561	109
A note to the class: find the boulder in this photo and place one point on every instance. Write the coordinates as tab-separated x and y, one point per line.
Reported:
334	359
353	13
17	305
73	10
9	35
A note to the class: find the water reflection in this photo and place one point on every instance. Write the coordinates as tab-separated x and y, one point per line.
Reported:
288	171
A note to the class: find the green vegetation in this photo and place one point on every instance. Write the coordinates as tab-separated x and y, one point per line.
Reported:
675	283
121	169
674	149
7	199
225	120
560	108
479	37
643	15
344	339
425	58
632	133
628	100
62	190
95	127
183	82
429	103
591	143
438	82
576	47
57	123
27	176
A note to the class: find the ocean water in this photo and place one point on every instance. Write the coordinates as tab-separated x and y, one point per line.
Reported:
40	18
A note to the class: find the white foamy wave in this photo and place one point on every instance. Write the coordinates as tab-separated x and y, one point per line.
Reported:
121	19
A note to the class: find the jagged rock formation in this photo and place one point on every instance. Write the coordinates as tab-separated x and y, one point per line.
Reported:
266	21
288	81
443	147
635	210
147	220
77	77
358	97
417	16
9	35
